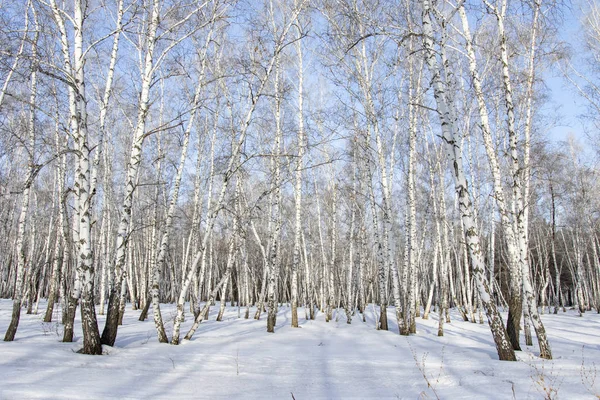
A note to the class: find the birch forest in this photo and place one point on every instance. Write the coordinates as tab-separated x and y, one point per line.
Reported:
330	156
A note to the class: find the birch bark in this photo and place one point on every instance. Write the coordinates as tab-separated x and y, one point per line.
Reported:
229	171
164	243
276	217
60	242
298	182
85	264
454	150
25	197
515	304
109	333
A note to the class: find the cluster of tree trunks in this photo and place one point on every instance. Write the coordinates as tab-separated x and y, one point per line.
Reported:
300	154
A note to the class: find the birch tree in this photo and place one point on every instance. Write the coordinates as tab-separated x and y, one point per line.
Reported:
276	206
281	42
298	180
514	227
33	170
74	69
148	68
454	151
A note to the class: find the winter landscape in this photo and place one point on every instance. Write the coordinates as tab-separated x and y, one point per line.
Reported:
299	199
237	359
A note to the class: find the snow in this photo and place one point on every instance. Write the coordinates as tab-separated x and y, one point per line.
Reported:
238	359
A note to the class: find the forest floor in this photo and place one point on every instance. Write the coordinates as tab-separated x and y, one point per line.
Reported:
238	359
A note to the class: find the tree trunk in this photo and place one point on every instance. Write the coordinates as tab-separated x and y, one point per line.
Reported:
109	333
452	142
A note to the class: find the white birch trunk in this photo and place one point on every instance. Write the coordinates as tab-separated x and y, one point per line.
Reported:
85	264
515	304
388	263
276	217
522	239
164	243
59	243
349	303
32	172
109	334
298	183
21	261
452	143
332	254
409	312
229	170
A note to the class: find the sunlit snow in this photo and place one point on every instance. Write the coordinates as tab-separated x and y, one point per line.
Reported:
238	359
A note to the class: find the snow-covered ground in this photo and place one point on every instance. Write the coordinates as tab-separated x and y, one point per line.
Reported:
238	359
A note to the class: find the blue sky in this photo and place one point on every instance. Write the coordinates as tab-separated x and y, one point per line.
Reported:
565	102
